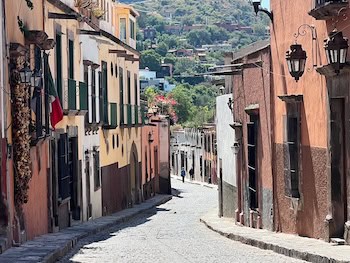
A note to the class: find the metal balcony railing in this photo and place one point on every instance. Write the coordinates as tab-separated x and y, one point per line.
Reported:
319	3
327	9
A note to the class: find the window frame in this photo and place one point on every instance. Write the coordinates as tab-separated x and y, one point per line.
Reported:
292	161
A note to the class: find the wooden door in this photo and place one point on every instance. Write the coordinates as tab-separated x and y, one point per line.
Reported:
338	167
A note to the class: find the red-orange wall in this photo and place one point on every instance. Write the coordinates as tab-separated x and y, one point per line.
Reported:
145	146
304	216
36	210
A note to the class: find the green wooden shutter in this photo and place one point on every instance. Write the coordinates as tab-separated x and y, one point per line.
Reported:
59	65
105	92
71	59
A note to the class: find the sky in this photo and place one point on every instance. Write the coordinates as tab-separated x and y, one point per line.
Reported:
265	3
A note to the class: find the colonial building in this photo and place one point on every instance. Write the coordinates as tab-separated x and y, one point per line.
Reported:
73	150
310	194
252	124
310	117
226	156
187	152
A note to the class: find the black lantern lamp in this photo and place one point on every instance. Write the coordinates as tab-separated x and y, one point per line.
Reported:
257	9
150	137
25	74
336	47
296	60
36	79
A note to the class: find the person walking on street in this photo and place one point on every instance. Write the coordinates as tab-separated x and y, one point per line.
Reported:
183	174
191	173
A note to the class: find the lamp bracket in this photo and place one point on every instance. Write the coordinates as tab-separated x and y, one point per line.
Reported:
343	16
264	10
302	30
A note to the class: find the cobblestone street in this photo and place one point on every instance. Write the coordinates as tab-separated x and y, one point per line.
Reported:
170	233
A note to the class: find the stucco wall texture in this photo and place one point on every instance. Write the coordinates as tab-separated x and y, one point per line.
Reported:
304	216
253	88
35	211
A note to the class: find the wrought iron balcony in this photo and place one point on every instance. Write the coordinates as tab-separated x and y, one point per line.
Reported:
326	9
111	122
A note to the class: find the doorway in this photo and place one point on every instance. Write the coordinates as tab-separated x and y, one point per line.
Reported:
338	167
221	195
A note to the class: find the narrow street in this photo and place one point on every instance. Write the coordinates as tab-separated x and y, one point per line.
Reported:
170	233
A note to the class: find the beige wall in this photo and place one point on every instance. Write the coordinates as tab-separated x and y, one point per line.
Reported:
127	136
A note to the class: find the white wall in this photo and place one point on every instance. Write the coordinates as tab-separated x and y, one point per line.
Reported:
225	139
90	51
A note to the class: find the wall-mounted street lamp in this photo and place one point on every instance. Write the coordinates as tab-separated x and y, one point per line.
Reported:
258	8
25	74
230	103
336	47
235	147
150	137
36	79
296	60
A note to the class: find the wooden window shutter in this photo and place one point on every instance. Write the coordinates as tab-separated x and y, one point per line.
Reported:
63	171
59	65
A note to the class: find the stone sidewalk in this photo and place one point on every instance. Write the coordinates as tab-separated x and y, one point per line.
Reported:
303	248
51	247
179	178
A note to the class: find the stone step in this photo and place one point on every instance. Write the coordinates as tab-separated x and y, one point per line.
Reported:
338	241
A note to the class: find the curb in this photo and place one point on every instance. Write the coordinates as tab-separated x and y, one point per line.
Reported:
62	251
303	255
53	246
194	182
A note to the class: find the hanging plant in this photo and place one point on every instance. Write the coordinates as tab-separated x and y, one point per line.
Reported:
30	4
21	25
20	139
98	13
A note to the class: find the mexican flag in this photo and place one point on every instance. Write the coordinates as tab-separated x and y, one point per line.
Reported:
56	114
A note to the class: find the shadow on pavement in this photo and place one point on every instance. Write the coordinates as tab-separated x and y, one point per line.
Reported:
176	193
140	219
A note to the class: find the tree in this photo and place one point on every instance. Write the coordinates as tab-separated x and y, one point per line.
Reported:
182	95
218	34
198	38
151	60
170	59
184	66
150	93
162	49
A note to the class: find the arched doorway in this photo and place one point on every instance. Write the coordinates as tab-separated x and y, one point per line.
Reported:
135	179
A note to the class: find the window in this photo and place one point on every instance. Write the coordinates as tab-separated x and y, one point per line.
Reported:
129	87
136	90
291	149
121	92
63	172
107	12
59	65
97	179
71	59
104	92
252	128
122	29
146	163
132	29
93	94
